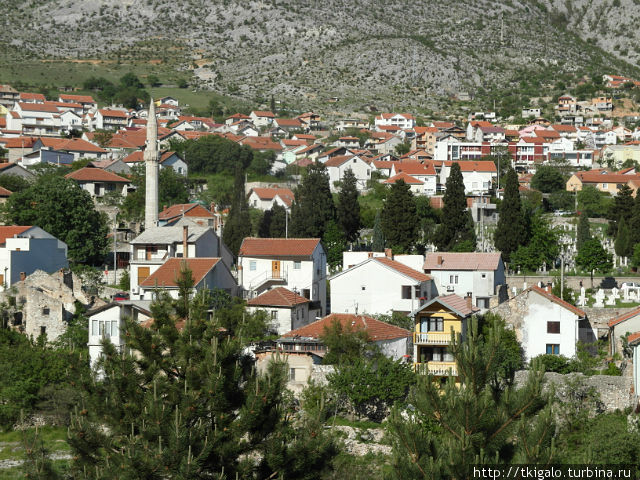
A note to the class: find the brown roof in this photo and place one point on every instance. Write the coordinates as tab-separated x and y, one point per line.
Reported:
10	231
288	122
376	329
415	168
138	156
402	268
462	261
278	297
268	193
78	98
4	192
562	303
604	177
168	273
38	107
113	113
338	160
624	316
19	142
280	247
261	113
89	174
32	96
71	144
455	302
634	338
408	179
184	209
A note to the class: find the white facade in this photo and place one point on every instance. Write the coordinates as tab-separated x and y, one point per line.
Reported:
284	319
32	249
481	283
395	120
371	287
359	167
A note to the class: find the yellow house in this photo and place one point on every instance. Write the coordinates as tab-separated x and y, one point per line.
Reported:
604	181
434	322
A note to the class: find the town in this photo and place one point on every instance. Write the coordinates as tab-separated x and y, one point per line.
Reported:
348	248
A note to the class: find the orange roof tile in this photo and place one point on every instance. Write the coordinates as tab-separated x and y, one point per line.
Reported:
455	302
10	231
278	297
270	193
262	113
38	107
553	298
415	168
402	268
624	316
634	338
168	273
406	178
71	144
5	193
105	112
185	209
375	329
78	98
278	247
32	96
90	174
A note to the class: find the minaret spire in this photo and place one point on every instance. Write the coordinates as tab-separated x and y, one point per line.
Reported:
151	170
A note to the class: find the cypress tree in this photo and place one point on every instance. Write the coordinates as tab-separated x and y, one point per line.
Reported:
457	224
313	206
238	225
511	231
623	245
634	225
399	220
378	236
348	210
189	404
583	233
273	223
622	207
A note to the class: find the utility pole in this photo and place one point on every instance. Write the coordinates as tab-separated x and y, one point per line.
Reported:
115	260
562	274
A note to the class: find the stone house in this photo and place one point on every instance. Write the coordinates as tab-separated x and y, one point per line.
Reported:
620	326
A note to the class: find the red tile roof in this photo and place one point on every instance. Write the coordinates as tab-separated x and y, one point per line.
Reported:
19	142
278	247
10	231
4	192
185	209
288	122
78	98
138	156
415	168
562	303
71	145
89	174
38	107
270	193
624	316
408	179
168	273
278	297
634	338
455	302
32	96
261	113
105	112
402	268
338	160
462	261
376	329
474	166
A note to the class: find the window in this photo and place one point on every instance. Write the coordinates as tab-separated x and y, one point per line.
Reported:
45	311
292	374
453	279
363	288
252	265
553	349
306	293
484	275
274	314
406	291
416	292
43	330
436	324
297	265
605	185
553	327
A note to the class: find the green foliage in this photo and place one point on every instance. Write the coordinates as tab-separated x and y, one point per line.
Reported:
593	257
313	207
403	148
189	404
593	202
377	244
215	154
37	464
398	319
509	356
14	183
553	363
399	219
620	209
125	281
428	218
373	385
344	343
548	179
66	211
457	224
542	247
238	224
584	231
454	427
348	209
623	245
128	92
272	224
511	232
561	200
335	243
635	259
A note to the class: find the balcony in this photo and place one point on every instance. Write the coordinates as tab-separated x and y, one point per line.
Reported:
440	369
431	338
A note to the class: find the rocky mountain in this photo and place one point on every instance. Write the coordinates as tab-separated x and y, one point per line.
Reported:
392	53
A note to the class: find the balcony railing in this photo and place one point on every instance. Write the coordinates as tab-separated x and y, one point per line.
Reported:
432	338
436	368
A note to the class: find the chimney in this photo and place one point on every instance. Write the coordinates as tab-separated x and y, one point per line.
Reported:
548	287
388	253
469	299
22	276
185	245
440	260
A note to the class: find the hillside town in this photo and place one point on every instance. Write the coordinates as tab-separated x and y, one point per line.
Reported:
561	292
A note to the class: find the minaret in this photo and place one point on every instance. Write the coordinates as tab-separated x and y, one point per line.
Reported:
151	170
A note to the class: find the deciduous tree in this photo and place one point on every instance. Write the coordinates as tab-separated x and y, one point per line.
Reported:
592	256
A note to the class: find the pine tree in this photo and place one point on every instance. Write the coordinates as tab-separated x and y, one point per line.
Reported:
183	401
457	225
623	245
399	218
454	427
313	206
622	207
238	224
583	233
335	243
510	232
273	223
348	210
378	237
634	224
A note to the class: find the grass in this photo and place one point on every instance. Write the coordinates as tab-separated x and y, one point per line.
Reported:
54	439
344	422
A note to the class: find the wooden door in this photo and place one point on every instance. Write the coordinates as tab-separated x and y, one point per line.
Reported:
275	269
143	273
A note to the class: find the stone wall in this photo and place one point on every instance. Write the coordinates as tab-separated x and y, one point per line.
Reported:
518	281
615	393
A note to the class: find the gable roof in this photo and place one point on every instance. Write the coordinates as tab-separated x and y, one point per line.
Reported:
376	329
553	298
462	261
168	235
281	247
106	112
269	193
263	113
78	98
402	268
38	107
415	168
406	178
92	174
10	231
168	273
70	144
625	316
278	297
184	209
339	160
138	156
453	302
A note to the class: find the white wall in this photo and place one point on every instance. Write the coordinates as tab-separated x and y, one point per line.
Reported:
395	348
467	281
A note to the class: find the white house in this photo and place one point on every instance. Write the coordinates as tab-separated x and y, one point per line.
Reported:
379	285
99	182
298	264
461	273
168	159
34	119
70	120
107	322
545	324
265	198
25	249
393	341
286	309
153	247
261	118
620	326
207	273
110	119
425	172
337	166
400	120
477	176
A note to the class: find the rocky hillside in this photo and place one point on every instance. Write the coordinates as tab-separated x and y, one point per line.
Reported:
392	53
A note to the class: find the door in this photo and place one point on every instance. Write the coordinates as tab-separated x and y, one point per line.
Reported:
143	273
275	269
